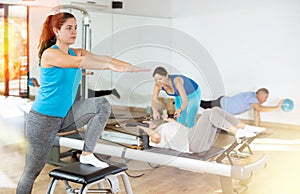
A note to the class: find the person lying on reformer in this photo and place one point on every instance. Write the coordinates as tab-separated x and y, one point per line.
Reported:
201	136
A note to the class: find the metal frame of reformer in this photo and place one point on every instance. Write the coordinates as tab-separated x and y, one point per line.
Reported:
226	172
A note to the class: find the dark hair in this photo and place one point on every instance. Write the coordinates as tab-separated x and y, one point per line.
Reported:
47	38
262	90
160	71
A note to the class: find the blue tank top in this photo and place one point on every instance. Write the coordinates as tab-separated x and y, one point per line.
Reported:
58	89
188	84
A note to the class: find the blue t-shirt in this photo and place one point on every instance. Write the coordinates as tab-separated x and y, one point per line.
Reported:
239	103
58	89
188	84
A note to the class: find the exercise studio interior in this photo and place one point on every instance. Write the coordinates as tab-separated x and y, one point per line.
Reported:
149	96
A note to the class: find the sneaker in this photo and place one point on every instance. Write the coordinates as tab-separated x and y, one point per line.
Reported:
92	160
255	129
244	133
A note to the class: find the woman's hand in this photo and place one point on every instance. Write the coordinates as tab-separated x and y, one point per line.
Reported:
177	113
138	69
121	68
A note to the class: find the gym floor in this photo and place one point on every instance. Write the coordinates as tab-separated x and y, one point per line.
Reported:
281	143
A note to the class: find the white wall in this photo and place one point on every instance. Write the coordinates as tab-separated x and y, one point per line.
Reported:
141	41
254	43
154	8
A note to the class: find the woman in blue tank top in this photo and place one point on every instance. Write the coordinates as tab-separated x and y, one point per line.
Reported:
55	109
185	91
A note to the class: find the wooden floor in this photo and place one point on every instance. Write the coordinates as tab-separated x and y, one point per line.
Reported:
281	176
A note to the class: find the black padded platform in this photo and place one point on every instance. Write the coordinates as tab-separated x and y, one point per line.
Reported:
84	173
212	152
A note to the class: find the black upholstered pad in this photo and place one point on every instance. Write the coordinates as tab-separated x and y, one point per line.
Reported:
84	173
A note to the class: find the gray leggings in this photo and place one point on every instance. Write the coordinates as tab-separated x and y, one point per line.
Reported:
41	131
202	134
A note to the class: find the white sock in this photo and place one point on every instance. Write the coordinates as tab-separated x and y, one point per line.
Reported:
92	160
244	133
255	129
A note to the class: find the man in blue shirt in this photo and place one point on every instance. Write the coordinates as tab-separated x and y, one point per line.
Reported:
243	102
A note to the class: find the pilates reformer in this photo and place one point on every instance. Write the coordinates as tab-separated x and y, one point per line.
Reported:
218	161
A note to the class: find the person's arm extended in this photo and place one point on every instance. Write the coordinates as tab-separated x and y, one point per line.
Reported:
97	62
109	59
260	108
54	57
85	60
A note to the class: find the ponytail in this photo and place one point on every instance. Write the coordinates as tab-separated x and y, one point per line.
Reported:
48	38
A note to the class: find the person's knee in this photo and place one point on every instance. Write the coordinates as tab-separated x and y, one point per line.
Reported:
206	113
209	113
103	105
